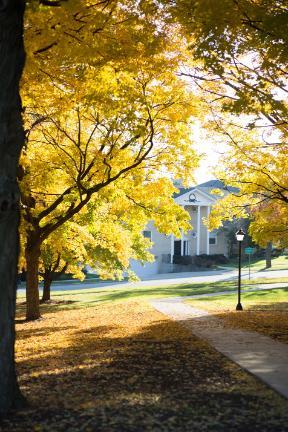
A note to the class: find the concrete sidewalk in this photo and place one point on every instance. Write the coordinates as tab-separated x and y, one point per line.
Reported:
260	355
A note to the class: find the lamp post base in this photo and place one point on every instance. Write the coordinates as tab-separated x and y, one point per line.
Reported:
239	307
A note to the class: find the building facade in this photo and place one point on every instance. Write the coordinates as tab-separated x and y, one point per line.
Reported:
197	201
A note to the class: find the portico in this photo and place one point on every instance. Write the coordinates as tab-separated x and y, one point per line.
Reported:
196	241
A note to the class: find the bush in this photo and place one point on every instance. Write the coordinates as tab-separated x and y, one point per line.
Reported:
184	260
203	260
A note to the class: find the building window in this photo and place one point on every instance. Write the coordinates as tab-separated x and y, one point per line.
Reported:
212	241
148	235
213	237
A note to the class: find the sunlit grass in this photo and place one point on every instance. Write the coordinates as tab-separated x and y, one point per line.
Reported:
278	263
83	298
259	300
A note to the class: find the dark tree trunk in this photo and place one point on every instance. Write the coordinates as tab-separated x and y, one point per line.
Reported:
32	255
49	276
268	255
47	286
11	141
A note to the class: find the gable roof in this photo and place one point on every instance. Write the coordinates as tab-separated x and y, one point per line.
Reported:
201	197
207	187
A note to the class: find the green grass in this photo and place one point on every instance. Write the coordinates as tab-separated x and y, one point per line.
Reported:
94	296
279	263
249	300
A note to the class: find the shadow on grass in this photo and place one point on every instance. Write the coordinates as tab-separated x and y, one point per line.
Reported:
159	379
84	299
93	297
50	307
43	331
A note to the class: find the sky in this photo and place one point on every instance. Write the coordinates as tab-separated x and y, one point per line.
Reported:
205	171
212	151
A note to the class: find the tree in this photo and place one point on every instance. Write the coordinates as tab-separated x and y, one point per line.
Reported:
11	142
241	51
113	106
74	33
259	173
84	160
241	48
101	238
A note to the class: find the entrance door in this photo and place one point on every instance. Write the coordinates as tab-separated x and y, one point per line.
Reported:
177	247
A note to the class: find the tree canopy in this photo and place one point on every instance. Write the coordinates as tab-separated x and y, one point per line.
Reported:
240	50
113	127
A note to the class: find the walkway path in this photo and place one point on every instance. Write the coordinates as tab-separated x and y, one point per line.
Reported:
260	355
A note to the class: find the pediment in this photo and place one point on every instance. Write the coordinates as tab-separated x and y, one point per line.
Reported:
195	197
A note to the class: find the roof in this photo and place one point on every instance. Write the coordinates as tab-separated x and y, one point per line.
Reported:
207	187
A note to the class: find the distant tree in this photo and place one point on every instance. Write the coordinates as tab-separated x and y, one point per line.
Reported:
101	238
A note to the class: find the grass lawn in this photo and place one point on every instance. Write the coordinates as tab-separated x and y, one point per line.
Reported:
122	366
94	296
278	263
264	311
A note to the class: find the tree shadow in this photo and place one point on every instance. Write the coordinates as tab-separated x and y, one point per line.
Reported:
160	378
43	331
119	294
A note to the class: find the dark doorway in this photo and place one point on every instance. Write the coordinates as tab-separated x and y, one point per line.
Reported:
177	247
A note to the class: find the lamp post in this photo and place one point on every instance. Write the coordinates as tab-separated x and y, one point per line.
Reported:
240	237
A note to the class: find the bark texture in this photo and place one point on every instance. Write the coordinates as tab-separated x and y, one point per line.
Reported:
52	273
11	141
32	256
268	255
47	288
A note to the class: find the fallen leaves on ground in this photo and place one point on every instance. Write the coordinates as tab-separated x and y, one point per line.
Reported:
125	367
267	319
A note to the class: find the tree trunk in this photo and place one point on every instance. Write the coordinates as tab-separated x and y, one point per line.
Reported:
49	276
268	255
32	255
11	141
46	288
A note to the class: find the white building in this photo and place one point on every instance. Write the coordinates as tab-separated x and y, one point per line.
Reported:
197	201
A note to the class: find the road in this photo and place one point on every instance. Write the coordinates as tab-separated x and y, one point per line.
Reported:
168	279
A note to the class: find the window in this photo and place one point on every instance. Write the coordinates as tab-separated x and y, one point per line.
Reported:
213	237
147	234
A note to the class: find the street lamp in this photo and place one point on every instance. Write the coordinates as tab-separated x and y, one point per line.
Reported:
240	237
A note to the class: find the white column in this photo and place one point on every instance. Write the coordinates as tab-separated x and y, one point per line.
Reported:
198	230
208	246
172	249
182	244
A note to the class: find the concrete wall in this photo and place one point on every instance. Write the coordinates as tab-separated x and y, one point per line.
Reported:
144	270
161	242
221	246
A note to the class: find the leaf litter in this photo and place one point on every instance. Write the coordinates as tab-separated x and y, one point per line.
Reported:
125	367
